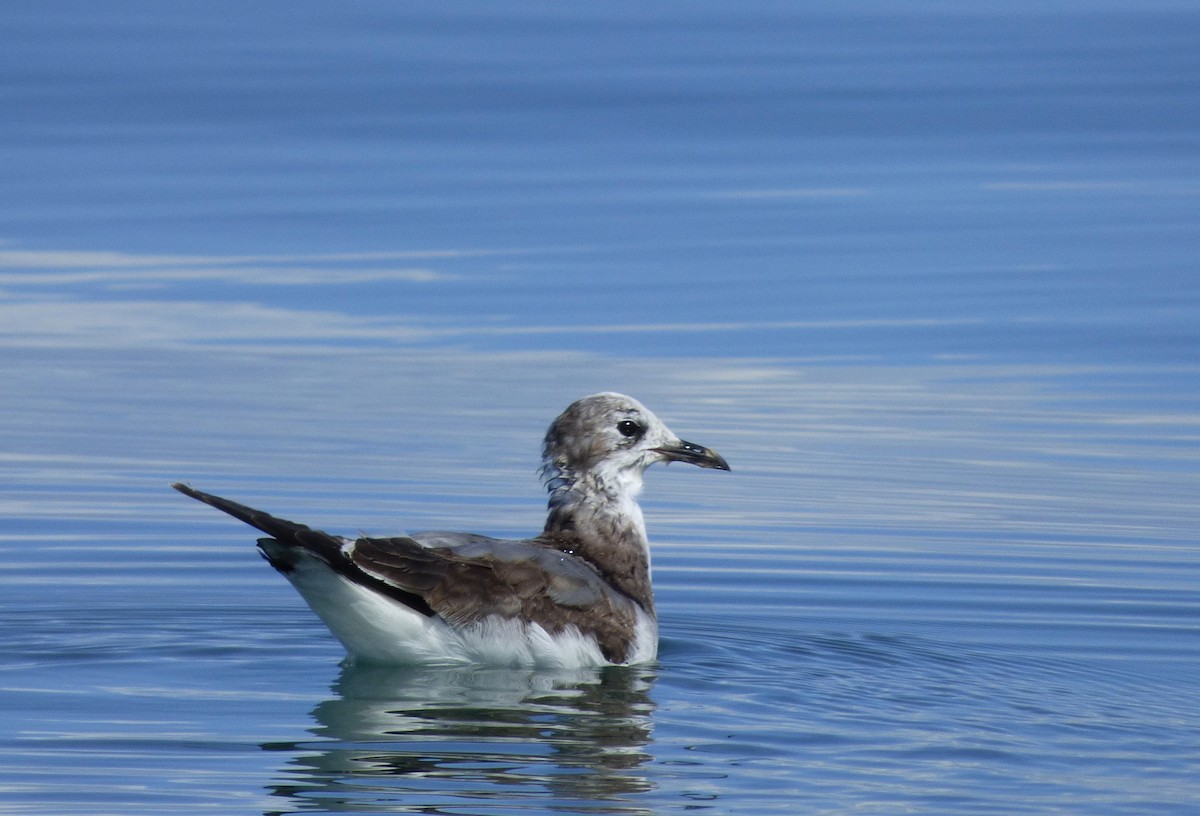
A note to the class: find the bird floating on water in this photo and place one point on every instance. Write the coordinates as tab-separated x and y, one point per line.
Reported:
578	594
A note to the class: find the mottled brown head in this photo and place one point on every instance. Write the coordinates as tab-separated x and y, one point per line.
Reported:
613	435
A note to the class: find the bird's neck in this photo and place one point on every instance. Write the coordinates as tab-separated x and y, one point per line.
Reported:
596	516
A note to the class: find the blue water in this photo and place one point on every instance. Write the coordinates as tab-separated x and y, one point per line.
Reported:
924	273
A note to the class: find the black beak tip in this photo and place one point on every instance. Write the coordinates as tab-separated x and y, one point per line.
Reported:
695	454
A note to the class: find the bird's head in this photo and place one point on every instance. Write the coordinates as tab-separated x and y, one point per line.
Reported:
612	436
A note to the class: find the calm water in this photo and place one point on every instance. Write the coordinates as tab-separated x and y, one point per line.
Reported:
926	276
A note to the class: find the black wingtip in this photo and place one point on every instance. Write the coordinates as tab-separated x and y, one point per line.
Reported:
255	518
207	498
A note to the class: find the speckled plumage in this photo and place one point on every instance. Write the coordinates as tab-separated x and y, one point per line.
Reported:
578	593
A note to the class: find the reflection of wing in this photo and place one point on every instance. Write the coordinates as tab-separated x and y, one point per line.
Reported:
466	578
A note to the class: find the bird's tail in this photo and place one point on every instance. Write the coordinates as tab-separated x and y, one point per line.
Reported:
290	542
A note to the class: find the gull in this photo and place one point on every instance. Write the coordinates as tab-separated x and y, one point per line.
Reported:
576	595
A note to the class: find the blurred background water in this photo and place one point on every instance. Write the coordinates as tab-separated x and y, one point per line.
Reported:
924	272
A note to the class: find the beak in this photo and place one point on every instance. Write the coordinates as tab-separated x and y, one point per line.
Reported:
693	454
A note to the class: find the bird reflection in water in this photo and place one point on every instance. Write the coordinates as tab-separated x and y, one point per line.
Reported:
432	738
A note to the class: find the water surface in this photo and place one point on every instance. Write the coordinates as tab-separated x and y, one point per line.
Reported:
925	276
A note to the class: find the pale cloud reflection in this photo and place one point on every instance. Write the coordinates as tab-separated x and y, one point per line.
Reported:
794	192
50	299
63	259
54	268
1093	187
256	275
176	323
179	323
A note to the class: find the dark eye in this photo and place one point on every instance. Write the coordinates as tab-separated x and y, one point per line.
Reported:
627	427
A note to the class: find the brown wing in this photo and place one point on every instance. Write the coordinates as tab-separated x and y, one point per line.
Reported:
466	578
460	577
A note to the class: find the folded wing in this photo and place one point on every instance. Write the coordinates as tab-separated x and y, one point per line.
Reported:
465	579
